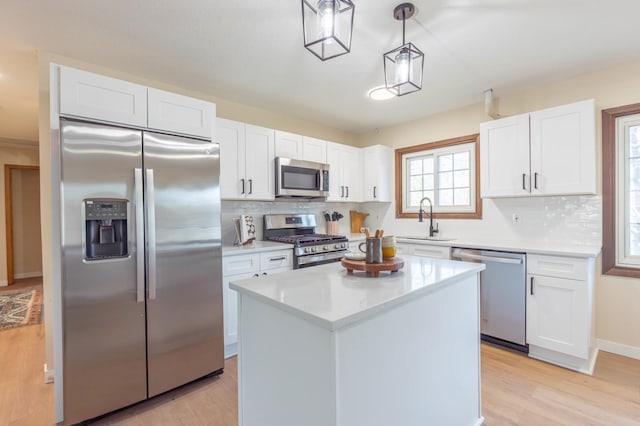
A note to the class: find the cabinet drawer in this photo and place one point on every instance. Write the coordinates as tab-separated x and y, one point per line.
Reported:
276	259
243	264
561	267
436	252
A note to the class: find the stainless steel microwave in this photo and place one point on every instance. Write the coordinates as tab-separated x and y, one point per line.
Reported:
301	179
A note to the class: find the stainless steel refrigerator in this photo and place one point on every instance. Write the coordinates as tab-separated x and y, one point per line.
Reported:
141	265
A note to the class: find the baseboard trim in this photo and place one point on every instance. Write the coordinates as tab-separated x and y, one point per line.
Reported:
48	374
619	348
27	275
4	283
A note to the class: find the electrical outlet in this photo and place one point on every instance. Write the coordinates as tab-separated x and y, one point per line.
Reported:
515	217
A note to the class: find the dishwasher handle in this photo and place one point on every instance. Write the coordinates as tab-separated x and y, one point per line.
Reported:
468	256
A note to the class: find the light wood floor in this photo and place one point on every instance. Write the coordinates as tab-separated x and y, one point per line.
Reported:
516	390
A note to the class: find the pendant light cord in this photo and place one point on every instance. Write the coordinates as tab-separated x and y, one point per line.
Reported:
404	19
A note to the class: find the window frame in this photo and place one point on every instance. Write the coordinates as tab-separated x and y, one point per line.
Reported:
399	168
610	200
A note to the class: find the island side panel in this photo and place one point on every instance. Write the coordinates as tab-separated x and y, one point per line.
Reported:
415	365
286	368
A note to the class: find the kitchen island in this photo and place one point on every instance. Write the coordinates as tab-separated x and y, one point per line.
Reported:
319	347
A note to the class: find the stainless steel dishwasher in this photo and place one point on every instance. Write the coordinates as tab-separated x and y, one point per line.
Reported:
503	295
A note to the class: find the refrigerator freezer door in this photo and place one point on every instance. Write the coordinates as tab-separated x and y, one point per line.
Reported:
103	323
184	304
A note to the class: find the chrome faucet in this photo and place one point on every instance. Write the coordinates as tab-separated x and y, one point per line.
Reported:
432	230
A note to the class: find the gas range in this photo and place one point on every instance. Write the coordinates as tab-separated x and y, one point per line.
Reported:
310	249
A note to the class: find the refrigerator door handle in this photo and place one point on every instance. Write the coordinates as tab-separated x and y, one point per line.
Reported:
151	233
139	205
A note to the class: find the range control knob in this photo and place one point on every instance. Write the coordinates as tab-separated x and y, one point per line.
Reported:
325	248
307	249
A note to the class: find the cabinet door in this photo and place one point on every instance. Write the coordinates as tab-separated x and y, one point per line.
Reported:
180	114
288	145
259	160
314	150
230	135
377	173
230	308
557	315
563	150
352	173
334	157
436	252
85	94
504	157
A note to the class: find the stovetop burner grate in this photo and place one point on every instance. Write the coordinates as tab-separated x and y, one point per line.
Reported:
308	238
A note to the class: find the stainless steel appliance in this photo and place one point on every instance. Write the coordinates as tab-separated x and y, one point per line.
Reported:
503	295
141	265
301	179
310	249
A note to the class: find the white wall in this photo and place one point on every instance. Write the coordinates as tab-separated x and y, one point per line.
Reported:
551	219
27	247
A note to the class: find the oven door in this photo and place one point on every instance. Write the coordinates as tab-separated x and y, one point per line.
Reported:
297	178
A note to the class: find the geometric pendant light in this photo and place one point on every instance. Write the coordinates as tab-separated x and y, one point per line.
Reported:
403	66
327	26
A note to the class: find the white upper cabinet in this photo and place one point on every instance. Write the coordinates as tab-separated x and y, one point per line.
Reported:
563	149
94	96
246	161
288	145
504	157
297	147
345	173
547	152
84	94
377	172
314	150
180	114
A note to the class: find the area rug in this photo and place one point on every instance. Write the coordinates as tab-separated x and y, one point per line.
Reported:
20	308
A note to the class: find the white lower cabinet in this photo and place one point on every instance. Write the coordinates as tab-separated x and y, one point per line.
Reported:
240	267
424	250
559	311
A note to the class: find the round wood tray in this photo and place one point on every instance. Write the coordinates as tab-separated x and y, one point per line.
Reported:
393	265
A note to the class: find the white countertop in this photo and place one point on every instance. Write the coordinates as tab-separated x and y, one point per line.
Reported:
552	249
255	247
329	297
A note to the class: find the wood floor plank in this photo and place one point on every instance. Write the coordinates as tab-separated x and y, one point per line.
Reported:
516	390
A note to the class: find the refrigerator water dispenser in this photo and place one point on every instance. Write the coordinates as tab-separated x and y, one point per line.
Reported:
105	228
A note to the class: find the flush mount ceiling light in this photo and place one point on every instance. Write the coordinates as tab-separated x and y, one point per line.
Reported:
327	26
380	93
403	66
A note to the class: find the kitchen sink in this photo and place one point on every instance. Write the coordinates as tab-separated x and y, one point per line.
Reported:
427	238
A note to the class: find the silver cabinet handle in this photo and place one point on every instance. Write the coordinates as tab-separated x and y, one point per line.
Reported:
342	192
535	180
242	180
151	233
524	187
250	186
347	196
374	192
275	259
139	206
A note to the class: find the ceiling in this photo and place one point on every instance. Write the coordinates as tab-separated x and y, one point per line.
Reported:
251	51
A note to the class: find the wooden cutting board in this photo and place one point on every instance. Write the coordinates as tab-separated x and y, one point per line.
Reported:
357	220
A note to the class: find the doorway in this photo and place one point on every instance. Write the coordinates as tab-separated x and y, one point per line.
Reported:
22	215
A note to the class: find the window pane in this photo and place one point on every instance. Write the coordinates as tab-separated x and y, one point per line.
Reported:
415	167
461	179
461	161
427	165
634	240
414	198
445	180
634	174
416	183
445	163
445	197
634	207
428	181
634	141
461	197
431	196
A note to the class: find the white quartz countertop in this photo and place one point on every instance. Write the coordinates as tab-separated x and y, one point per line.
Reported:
552	249
329	297
255	247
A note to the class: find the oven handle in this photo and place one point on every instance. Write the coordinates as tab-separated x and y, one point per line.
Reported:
303	260
468	256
